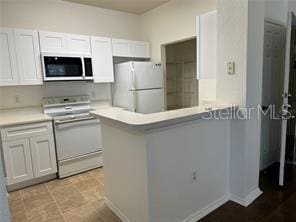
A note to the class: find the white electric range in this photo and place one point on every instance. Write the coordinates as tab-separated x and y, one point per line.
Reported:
77	134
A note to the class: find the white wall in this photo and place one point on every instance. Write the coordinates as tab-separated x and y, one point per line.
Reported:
276	11
174	153
173	21
253	89
240	39
60	16
232	46
32	95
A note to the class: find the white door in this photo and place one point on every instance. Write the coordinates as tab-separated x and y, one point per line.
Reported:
43	155
18	162
148	101
285	107
147	75
53	42
8	64
28	57
78	44
272	88
139	49
102	59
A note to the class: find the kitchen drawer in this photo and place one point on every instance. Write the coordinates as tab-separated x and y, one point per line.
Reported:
25	131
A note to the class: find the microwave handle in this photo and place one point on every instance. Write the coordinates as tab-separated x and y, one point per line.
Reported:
43	67
83	67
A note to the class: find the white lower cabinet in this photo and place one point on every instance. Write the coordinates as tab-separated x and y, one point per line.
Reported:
18	162
43	155
29	156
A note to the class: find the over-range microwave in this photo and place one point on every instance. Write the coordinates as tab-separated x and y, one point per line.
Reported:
63	67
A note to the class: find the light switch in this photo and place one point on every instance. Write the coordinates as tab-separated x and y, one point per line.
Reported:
230	68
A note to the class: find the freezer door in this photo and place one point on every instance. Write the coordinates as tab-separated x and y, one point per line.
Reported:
148	101
147	75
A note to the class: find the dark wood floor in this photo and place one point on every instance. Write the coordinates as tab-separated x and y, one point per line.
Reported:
276	204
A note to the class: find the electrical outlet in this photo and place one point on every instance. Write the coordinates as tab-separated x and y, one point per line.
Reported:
93	94
230	68
17	99
194	176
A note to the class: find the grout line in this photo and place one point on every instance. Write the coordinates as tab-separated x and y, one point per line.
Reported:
56	203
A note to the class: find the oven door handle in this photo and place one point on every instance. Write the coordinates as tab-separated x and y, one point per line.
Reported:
57	122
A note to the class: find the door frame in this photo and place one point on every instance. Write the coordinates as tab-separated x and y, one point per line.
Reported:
281	27
285	97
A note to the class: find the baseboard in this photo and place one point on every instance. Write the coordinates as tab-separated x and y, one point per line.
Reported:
31	182
116	210
248	199
206	210
203	212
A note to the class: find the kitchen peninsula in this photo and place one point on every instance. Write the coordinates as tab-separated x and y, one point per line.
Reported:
165	167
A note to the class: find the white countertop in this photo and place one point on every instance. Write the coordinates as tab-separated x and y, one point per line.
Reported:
155	120
22	116
26	115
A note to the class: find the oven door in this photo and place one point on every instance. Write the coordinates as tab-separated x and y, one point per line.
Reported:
77	136
62	67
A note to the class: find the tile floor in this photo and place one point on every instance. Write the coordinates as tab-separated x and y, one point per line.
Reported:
77	198
80	198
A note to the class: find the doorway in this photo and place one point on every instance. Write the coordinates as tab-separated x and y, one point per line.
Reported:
272	89
278	131
181	83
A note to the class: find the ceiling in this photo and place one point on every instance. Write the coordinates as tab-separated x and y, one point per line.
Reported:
131	6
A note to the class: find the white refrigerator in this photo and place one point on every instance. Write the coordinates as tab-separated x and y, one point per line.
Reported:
139	87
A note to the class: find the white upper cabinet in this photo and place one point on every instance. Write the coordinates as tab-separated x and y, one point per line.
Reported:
129	48
206	28
78	44
8	63
64	43
28	57
140	49
102	59
53	42
120	47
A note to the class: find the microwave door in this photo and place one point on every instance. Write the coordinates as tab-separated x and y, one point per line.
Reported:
88	71
62	68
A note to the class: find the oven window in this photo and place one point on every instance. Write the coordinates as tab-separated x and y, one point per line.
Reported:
62	66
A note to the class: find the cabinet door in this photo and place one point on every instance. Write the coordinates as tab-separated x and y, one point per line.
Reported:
53	42
28	57
207	46
18	162
139	49
102	59
43	155
78	44
8	65
121	48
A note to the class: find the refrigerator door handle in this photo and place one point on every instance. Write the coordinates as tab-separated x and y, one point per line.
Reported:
134	102
133	78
